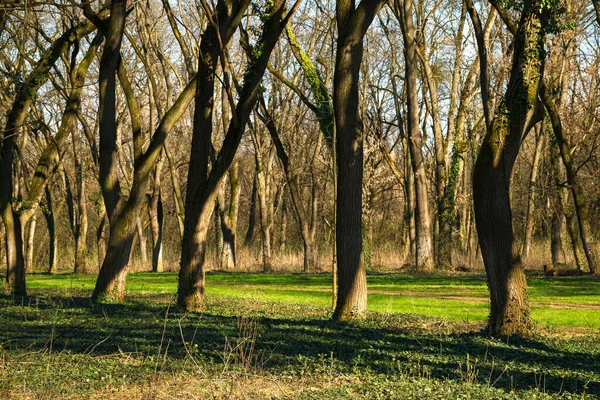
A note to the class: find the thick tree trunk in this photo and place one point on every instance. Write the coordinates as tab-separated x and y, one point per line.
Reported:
202	186
111	281
518	112
352	280
15	261
110	284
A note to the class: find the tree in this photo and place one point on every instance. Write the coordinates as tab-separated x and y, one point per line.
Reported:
353	23
424	256
15	216
123	213
518	111
203	185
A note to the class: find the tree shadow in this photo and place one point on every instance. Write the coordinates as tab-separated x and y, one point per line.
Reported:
394	347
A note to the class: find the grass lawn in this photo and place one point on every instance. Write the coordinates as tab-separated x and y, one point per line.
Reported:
269	336
555	302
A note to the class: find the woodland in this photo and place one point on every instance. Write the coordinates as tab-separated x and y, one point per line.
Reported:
427	138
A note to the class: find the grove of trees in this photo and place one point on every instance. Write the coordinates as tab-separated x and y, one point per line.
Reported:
432	135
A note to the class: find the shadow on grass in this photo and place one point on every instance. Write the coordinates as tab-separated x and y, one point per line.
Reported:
401	344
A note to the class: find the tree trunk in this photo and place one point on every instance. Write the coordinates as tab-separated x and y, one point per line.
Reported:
518	112
30	243
352	280
110	284
283	232
229	219
202	185
252	214
424	256
111	281
81	223
218	231
142	241
265	227
530	216
155	212
577	192
179	204
15	261
562	194
556	245
101	235
49	215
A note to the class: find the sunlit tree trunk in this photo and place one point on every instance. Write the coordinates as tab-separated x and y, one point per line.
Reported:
517	113
352	23
202	185
424	256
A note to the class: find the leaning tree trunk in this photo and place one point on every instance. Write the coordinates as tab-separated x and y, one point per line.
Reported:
202	185
517	114
111	284
577	192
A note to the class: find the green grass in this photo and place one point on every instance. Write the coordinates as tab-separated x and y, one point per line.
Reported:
555	302
270	336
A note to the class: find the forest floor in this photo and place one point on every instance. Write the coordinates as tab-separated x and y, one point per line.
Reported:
270	336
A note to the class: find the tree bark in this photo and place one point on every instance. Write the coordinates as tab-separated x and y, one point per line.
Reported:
81	223
202	185
424	256
517	113
156	214
352	23
229	219
31	242
53	243
13	219
252	214
530	216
